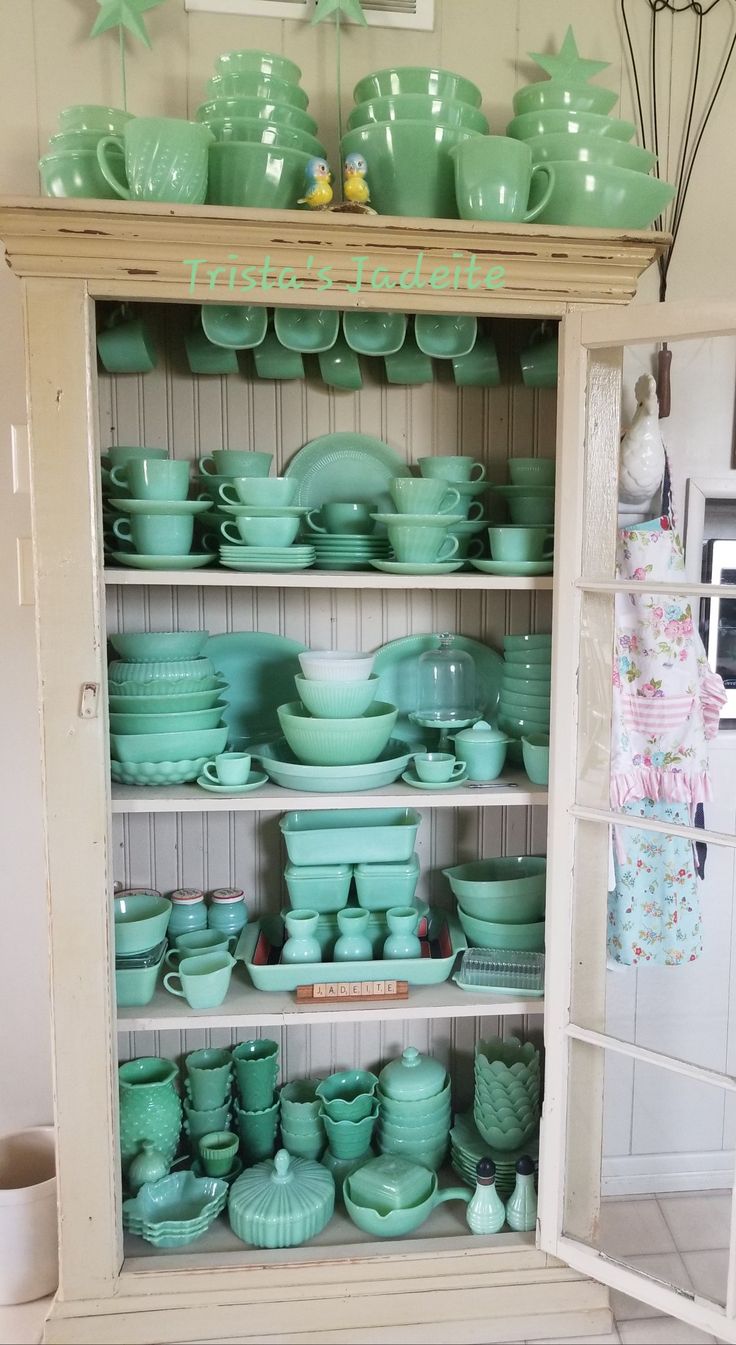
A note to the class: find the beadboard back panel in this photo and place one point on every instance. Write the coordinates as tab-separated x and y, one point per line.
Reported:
191	416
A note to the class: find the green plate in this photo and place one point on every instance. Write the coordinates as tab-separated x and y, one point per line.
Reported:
411	778
396	664
260	669
346	467
255	780
410	567
157	507
519	568
162	562
264	566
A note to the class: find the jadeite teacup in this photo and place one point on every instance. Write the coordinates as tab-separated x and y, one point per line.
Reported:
539	363
421	544
204	980
232	462
165	160
438	767
197	941
209	1076
264	492
271	530
229	768
518	542
124	453
493	178
157	534
153	479
256	1067
341	517
452	467
413	495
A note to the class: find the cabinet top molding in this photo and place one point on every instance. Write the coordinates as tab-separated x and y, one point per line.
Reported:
202	254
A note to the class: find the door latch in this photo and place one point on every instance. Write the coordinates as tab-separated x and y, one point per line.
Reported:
89	700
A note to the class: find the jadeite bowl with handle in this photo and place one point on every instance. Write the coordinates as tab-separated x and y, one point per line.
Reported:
397	1223
418	107
555	94
337	700
411	169
490	934
337	742
554	120
602	196
425	79
508	877
141	921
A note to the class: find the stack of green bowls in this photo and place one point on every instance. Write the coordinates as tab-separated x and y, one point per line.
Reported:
507	1101
525	699
415	1109
264	136
302	1128
405	122
467	1147
501	901
70	167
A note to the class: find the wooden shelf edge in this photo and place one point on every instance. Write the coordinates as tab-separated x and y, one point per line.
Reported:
517	791
352	579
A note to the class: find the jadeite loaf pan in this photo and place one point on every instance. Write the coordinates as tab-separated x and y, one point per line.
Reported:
356	836
267	973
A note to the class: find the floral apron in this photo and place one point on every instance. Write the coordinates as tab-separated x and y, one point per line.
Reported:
666	705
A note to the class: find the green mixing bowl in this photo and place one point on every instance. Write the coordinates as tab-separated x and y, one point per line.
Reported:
514	703
549	95
592	149
532	667
254	131
515	645
93	117
411	169
337	700
252	84
150	646
74	140
491	934
188	746
281	114
508	877
266	63
166	723
78	173
256	175
418	107
504	910
519	726
415	1111
337	742
426	79
602	196
557	121
141	921
162	705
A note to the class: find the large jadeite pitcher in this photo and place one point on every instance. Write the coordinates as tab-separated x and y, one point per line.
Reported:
150	1108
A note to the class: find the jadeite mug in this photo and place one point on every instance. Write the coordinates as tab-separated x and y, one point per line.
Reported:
165	160
157	534
343	518
516	542
273	530
123	453
438	767
153	479
452	467
493	177
204	979
232	462
125	344
229	768
421	545
413	495
262	492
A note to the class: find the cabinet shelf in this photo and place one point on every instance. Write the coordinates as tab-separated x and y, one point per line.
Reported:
352	579
515	791
248	1008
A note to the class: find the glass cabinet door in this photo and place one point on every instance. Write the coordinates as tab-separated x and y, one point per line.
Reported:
639	1125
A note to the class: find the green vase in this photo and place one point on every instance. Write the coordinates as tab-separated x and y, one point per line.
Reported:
150	1109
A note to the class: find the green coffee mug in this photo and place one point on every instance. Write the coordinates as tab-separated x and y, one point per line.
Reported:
493	177
539	362
204	357
479	368
153	479
419	545
272	360
263	492
157	534
521	542
270	530
340	367
452	467
122	453
341	518
408	365
235	462
125	345
165	160
414	495
204	980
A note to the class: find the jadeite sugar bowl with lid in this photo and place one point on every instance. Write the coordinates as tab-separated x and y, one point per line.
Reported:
412	1077
483	749
282	1202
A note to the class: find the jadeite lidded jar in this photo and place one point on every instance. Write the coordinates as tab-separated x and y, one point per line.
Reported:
282	1202
412	1077
228	912
150	1109
188	911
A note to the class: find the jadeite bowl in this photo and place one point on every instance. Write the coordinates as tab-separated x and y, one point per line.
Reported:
74	140
93	117
415	1111
180	670
152	646
256	175
532	668
535	706
252	84
337	700
397	1223
592	149
491	934
424	79
336	665
172	723
266	63
508	877
603	197
531	472
337	742
556	95
77	173
520	726
553	121
161	705
253	131
518	646
279	114
418	107
411	169
141	921
153	747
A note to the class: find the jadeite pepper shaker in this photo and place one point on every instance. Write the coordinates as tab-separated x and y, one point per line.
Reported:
486	1213
521	1206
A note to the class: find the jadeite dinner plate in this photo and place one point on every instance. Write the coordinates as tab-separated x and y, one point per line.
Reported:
396	665
345	467
162	562
513	567
260	669
410	567
255	780
158	507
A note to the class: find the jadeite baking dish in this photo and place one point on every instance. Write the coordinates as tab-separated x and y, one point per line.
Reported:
266	972
356	836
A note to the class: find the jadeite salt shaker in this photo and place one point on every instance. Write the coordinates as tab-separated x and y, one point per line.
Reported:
521	1206
188	911
301	945
228	912
147	1166
486	1213
353	944
402	941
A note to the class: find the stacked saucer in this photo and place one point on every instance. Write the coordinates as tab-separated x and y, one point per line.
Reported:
252	559
467	1147
348	552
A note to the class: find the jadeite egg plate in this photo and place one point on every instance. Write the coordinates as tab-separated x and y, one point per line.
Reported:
156	772
255	780
139	562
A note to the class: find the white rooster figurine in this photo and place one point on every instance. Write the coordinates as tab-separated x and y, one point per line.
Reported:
642	454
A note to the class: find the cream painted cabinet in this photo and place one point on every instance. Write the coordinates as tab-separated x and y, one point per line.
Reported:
442	1284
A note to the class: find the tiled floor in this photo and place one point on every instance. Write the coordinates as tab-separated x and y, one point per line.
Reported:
681	1238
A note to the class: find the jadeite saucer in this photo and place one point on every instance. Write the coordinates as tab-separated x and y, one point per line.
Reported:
196	562
421	520
264	566
518	568
260	511
411	778
158	507
412	567
255	780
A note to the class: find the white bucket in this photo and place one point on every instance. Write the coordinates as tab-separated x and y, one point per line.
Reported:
29	1247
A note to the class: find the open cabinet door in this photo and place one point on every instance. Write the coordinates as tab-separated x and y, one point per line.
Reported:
639	1121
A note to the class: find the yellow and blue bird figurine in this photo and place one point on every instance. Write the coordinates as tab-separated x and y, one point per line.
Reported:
355	188
317	191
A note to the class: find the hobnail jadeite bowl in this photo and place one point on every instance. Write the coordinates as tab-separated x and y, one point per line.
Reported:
557	95
337	700
141	921
411	169
552	121
591	149
418	107
429	80
490	934
337	742
280	114
159	645
602	196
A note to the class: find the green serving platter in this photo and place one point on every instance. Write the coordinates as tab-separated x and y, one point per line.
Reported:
260	669
396	665
284	768
138	562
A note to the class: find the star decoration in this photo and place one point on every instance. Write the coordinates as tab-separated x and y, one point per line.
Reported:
124	14
567	65
350	8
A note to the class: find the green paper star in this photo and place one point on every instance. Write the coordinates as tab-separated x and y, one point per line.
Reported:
350	8
124	14
567	65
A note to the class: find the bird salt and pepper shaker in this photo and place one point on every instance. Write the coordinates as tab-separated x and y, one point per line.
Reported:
641	455
521	1206
317	187
486	1213
354	187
